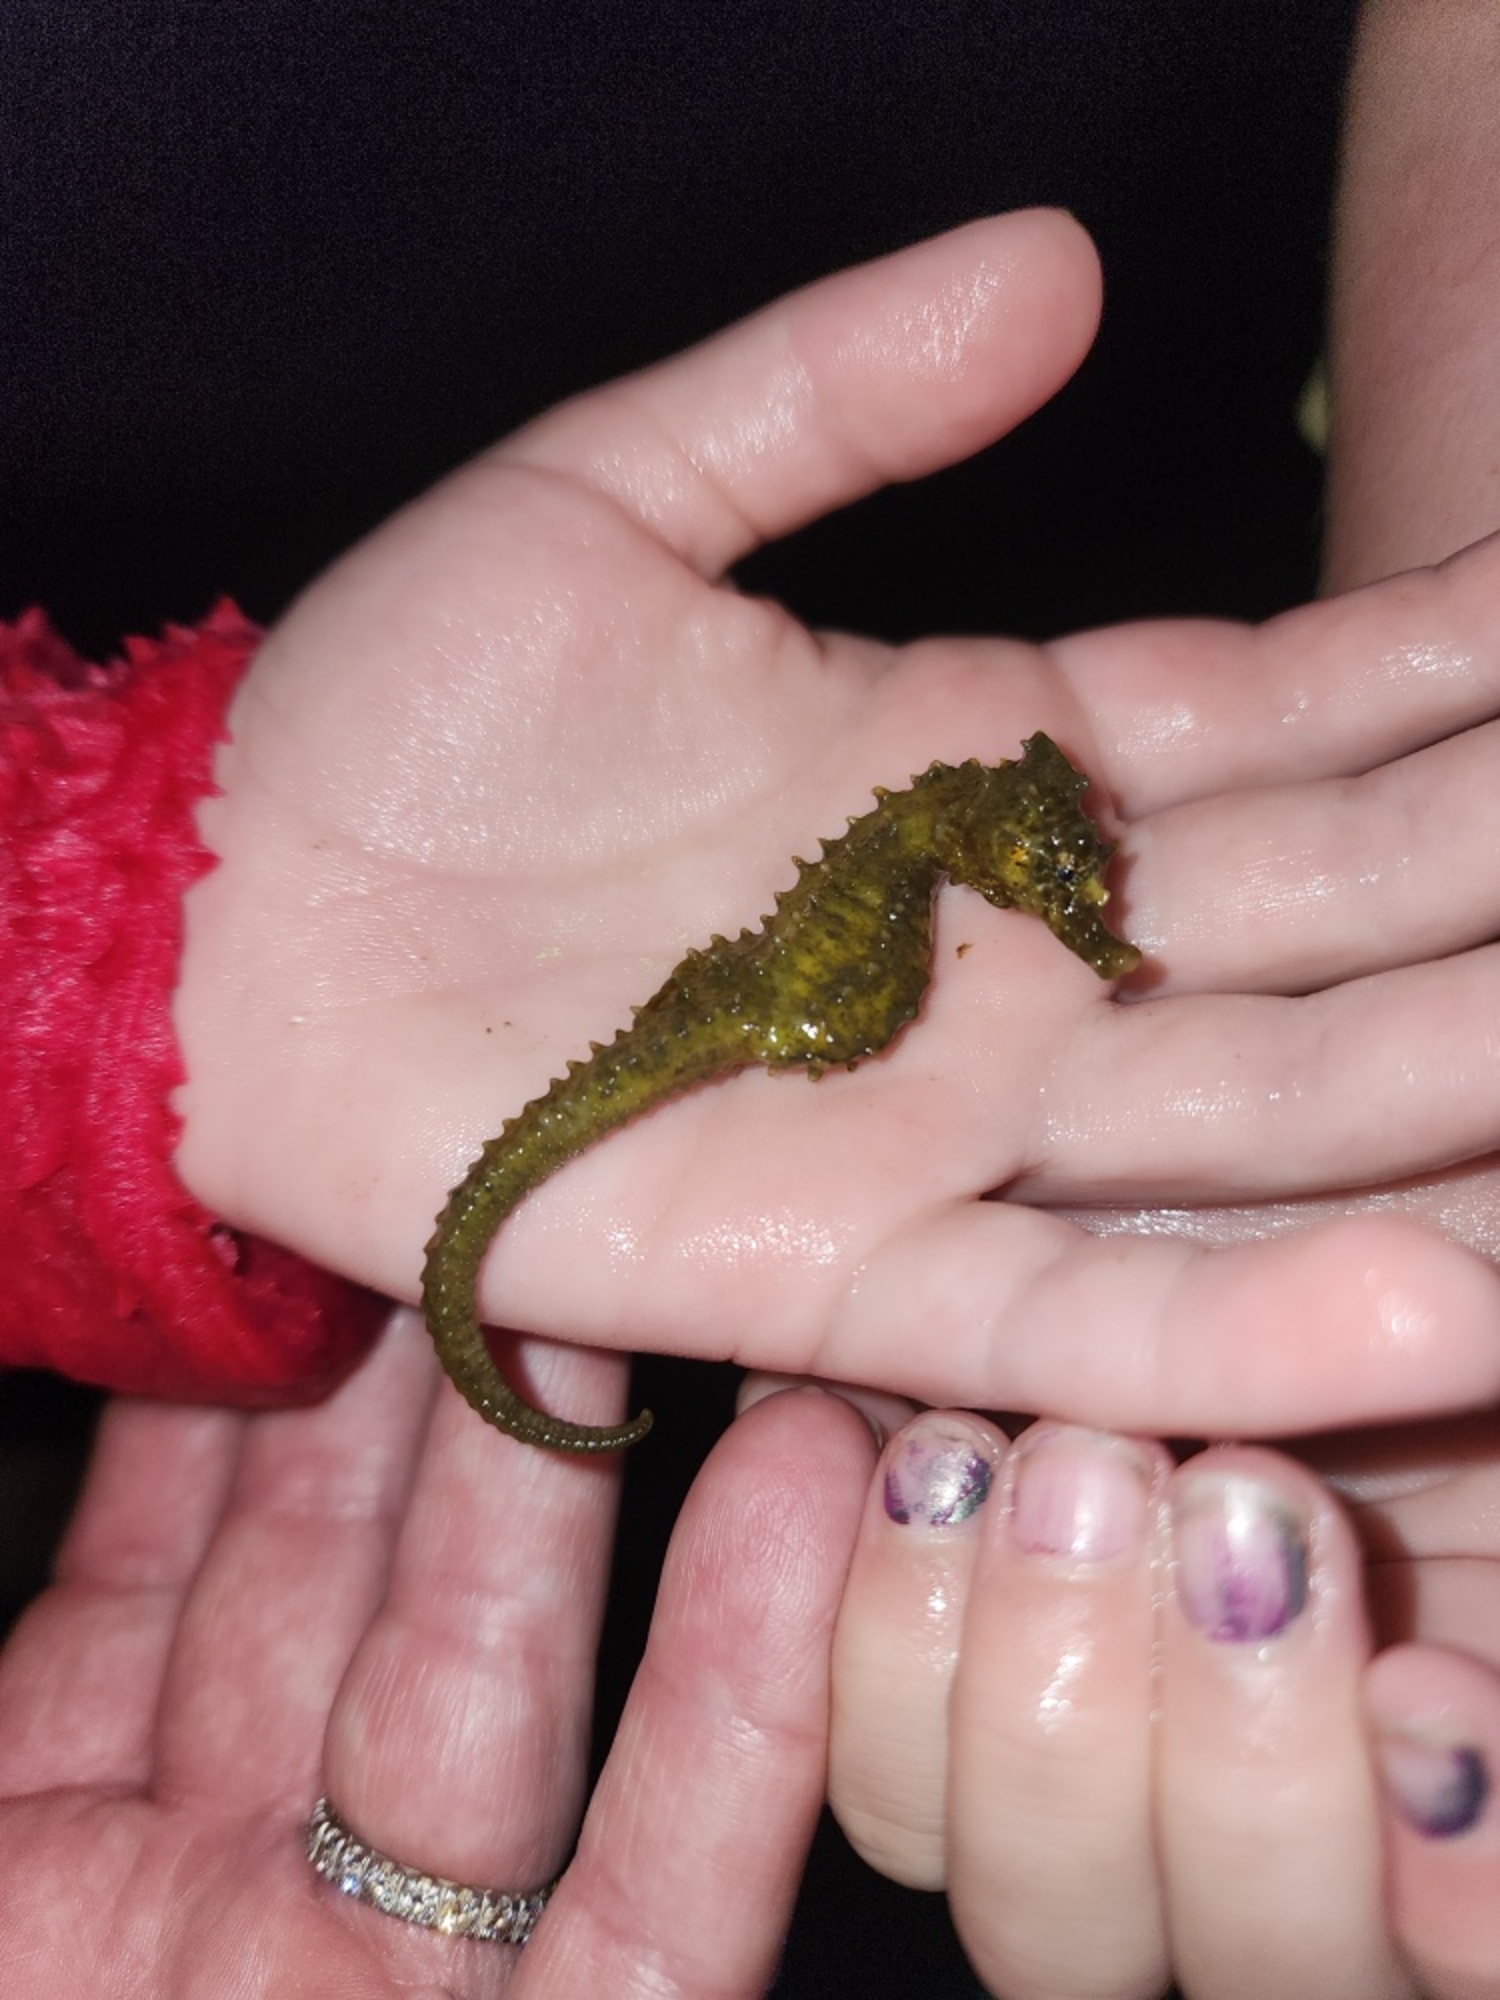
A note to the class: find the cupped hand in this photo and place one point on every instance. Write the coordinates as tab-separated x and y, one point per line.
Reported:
1133	1715
495	774
367	1599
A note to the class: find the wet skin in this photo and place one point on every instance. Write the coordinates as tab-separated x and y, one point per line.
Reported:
831	976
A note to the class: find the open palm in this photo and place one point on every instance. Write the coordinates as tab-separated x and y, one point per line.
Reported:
496	772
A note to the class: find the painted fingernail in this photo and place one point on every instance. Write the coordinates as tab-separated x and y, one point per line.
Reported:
1439	1789
938	1475
1242	1558
1078	1494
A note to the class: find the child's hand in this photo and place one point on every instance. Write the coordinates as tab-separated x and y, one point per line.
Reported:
1126	1714
511	758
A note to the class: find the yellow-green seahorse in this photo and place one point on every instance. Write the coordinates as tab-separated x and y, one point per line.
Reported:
830	977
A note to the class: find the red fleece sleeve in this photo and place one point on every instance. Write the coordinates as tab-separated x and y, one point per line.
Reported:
109	1270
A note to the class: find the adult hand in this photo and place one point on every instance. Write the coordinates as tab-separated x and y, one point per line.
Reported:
1133	1718
368	1598
496	772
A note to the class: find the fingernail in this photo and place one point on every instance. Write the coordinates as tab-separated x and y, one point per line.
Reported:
1439	1789
1242	1558
884	1414
938	1475
1078	1494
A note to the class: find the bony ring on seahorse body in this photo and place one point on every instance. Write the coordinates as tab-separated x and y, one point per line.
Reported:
490	1916
830	977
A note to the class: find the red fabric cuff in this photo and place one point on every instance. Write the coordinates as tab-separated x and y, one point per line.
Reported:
109	1270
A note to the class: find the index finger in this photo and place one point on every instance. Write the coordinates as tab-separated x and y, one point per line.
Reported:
690	1858
1187	708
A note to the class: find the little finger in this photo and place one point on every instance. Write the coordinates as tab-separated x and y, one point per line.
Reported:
1436	1723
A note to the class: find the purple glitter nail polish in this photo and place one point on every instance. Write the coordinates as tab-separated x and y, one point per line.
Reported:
1440	1790
936	1477
1242	1560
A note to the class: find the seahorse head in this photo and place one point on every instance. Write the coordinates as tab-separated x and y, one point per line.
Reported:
1028	845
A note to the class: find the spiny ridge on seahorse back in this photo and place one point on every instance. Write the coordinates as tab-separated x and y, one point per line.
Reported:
830	977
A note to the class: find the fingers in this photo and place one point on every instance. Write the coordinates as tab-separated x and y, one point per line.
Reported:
1183	710
897	1647
690	1857
1424	1501
460	1733
1423	1498
1021	1311
993	1698
1230	1097
1117	1709
294	1570
81	1676
885	1414
1052	1876
1435	1719
1333	880
882	373
1268	1834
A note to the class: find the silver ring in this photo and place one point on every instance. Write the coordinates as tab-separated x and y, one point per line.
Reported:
493	1916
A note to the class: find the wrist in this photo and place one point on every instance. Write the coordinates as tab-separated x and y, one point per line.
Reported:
113	1272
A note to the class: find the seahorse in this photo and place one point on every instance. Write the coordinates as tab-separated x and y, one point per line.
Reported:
831	976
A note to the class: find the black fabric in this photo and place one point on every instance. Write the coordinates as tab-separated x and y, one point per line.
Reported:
267	270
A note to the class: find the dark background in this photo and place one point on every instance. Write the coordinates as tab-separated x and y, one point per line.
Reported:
268	269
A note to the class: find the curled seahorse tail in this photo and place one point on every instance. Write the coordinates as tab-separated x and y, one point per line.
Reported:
450	1279
830	977
645	1063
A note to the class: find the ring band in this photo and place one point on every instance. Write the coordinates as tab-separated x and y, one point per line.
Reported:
490	1915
